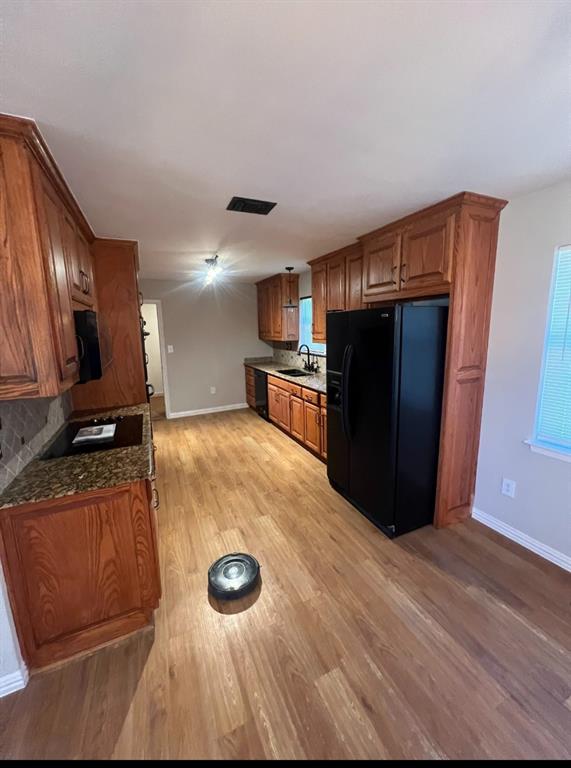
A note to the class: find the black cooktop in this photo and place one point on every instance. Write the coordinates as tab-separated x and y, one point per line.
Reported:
129	431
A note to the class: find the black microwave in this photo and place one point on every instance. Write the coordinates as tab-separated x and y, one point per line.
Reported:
87	345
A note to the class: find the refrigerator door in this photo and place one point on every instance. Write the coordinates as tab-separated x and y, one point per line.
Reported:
337	438
423	350
371	385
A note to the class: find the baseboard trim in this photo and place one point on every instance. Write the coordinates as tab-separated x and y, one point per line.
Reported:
548	553
201	411
13	682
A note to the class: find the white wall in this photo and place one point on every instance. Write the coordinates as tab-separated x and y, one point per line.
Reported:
212	330
153	347
531	228
13	673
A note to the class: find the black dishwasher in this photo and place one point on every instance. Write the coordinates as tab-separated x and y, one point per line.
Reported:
261	393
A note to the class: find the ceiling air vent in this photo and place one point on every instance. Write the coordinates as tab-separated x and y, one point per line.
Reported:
247	205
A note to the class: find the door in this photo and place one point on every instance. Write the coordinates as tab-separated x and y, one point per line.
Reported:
370	385
354	280
60	298
427	251
336	283
274	404
312	426
381	262
319	301
297	428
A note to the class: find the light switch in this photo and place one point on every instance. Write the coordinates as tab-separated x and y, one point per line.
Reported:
508	487
170	349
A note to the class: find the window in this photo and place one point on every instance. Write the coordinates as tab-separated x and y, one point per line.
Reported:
553	421
305	318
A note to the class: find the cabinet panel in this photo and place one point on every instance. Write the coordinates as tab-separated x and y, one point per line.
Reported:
297	427
354	281
51	218
427	252
79	569
86	271
319	301
284	418
276	319
27	364
336	283
274	404
74	270
381	262
291	323
312	426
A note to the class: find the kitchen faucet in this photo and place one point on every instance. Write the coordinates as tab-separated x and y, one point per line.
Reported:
309	366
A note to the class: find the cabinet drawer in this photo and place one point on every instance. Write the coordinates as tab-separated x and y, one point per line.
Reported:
293	389
310	396
249	373
250	389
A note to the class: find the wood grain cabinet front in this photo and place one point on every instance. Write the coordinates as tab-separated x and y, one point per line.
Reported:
81	570
278	308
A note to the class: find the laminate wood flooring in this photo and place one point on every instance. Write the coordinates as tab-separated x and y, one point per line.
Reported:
452	643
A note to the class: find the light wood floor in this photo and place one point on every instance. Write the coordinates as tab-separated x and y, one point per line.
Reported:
157	404
451	643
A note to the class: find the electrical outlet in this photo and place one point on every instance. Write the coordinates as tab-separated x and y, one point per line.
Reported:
212	390
508	487
170	349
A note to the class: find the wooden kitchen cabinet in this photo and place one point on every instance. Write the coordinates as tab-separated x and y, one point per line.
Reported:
323	425
79	264
81	570
427	252
335	283
354	278
297	425
38	354
319	302
250	387
311	418
274	403
277	322
381	264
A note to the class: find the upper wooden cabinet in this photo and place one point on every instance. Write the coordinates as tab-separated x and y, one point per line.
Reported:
38	354
336	285
381	264
413	256
276	321
79	265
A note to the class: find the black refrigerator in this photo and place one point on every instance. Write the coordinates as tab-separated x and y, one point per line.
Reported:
385	372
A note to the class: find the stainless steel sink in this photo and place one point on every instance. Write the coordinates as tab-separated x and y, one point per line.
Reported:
294	372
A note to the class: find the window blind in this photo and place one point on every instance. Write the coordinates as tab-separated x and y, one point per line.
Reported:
553	424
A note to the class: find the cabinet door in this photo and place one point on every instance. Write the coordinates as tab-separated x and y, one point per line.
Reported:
291	323
312	426
427	251
354	281
274	404
284	409
297	428
381	262
263	313
86	270
276	308
336	283
51	220
323	424
319	301
82	570
73	258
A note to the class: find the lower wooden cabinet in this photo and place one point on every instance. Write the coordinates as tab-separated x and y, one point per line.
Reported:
250	387
297	426
323	424
81	570
311	416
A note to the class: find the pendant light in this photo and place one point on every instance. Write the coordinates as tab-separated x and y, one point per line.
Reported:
289	304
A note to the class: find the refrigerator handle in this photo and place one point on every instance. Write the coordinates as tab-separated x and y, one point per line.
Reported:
345	377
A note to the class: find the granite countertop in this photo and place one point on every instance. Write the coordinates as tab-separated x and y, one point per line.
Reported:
314	381
67	475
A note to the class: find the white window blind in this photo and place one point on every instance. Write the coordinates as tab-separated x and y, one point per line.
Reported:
553	423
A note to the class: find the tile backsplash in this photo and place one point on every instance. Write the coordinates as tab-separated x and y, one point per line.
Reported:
25	427
286	352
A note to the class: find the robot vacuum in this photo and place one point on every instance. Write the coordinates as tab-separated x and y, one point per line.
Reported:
233	576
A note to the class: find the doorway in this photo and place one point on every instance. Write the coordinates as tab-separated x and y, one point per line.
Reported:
151	311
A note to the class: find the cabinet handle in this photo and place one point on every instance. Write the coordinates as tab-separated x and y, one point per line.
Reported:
156	499
317	420
394	270
81	346
403	273
88	282
141	299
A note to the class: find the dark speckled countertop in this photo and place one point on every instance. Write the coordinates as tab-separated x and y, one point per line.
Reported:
314	381
54	478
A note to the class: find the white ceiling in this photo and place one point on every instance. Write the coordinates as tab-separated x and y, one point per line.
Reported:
348	114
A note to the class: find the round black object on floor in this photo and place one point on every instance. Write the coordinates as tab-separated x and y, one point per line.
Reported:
233	576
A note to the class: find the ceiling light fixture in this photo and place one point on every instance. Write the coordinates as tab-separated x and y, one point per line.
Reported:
213	271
